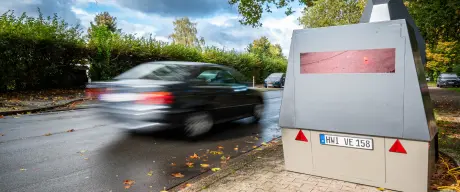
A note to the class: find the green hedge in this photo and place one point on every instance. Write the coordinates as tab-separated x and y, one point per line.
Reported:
41	53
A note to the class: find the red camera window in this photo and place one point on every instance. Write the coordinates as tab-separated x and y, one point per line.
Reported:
349	61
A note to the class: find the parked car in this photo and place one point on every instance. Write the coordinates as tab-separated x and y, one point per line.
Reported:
187	95
275	80
448	79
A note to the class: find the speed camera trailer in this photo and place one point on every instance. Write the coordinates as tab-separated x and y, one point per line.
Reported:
356	106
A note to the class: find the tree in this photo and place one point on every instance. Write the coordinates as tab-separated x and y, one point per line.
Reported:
252	10
104	19
438	20
441	58
262	47
326	13
185	33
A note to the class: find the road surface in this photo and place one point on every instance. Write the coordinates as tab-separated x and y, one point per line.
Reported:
98	156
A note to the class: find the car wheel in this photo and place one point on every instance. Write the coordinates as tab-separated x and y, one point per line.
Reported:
437	85
197	124
258	112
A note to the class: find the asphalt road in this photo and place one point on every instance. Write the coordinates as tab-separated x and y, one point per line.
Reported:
98	156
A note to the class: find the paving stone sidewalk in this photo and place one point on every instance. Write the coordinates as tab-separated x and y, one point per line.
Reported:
267	174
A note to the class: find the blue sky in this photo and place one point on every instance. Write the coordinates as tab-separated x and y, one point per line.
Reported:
217	20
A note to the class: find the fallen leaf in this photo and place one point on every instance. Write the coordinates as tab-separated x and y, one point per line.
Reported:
177	175
215	169
264	144
29	113
381	189
255	138
216	152
86	158
22	169
71	130
128	182
2	134
1	116
189	164
236	148
150	173
223	158
173	164
249	142
204	165
82	151
188	185
195	156
164	190
254	147
259	149
48	134
127	186
220	147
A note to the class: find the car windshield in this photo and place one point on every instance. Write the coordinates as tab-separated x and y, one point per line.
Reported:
158	71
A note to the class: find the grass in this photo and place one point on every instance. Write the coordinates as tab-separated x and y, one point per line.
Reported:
457	89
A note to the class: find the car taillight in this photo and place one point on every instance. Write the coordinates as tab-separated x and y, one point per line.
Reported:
159	98
94	92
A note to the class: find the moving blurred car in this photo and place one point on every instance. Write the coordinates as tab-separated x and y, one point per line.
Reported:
275	80
448	79
192	96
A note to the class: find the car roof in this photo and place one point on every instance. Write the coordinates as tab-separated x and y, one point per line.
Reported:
186	63
448	74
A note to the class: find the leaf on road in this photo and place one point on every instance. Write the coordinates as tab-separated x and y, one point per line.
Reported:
195	156
164	190
236	148
188	185
82	151
86	158
127	186
48	134
215	169
189	164
177	175
381	189
22	169
216	152
150	173
129	182
254	147
2	134
264	144
220	147
71	130
204	165
256	138
173	164
29	113
249	142
1	116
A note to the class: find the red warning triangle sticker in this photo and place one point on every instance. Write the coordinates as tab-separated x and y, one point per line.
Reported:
301	137
397	147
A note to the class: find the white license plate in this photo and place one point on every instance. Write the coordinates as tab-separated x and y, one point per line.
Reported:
351	142
270	84
451	82
119	97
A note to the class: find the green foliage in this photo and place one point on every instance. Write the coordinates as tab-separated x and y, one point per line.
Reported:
104	19
252	10
325	13
185	33
37	53
441	58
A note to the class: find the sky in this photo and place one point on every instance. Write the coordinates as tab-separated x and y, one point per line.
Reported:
217	20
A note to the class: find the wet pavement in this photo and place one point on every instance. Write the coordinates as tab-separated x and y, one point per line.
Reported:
98	156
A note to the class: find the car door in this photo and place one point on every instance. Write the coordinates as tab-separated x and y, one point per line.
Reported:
216	91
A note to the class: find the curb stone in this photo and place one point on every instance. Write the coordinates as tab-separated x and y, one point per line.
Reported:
6	113
207	178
